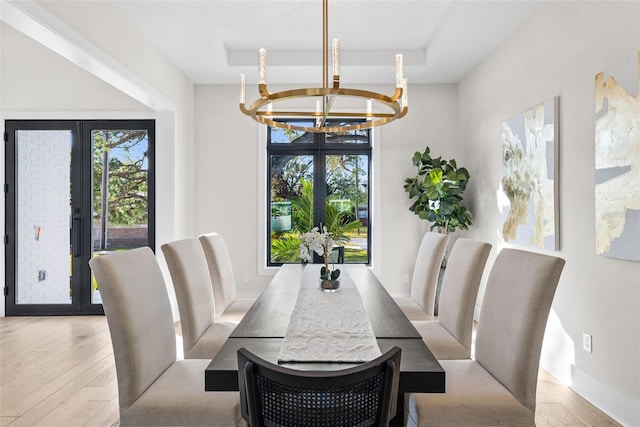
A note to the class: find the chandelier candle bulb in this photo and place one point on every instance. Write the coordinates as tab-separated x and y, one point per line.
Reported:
336	57
369	108
262	66
242	89
399	73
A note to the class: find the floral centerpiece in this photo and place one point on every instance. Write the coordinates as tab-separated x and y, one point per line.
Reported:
320	242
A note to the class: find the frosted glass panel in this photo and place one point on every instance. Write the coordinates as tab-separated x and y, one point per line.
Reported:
43	217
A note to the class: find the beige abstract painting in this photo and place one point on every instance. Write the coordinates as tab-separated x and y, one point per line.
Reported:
528	194
617	161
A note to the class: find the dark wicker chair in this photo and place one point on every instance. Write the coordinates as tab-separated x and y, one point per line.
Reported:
272	395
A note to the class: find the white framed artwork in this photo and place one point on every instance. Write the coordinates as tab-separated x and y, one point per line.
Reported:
617	161
529	188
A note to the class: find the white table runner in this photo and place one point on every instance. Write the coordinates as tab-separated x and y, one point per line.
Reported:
328	326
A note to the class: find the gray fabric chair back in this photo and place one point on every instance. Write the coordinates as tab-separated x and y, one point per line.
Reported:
425	273
220	270
190	278
460	288
515	309
136	303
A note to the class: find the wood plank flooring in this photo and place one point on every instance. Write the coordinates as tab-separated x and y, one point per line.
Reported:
59	371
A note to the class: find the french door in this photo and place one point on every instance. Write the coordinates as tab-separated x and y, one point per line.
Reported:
74	190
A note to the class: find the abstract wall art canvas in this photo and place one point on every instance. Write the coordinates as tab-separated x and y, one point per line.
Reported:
617	161
529	190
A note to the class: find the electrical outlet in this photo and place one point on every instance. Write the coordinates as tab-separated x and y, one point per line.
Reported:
405	278
245	278
586	342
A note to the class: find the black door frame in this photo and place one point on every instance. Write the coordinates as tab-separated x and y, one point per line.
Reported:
81	199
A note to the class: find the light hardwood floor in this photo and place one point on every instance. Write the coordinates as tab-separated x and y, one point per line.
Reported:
59	371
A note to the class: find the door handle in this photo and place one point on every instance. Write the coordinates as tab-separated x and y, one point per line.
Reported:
76	237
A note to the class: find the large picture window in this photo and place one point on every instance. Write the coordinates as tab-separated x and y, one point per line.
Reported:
317	178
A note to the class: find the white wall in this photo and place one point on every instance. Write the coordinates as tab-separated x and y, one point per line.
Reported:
34	78
227	180
226	163
558	53
431	121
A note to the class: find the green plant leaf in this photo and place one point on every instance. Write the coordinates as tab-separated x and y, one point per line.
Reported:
423	214
436	176
417	159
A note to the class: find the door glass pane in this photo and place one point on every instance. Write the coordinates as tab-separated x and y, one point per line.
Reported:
120	192
347	201
291	204
43	217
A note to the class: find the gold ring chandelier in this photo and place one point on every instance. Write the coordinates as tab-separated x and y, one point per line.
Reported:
262	110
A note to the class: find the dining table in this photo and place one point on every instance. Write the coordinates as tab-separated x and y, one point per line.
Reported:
262	331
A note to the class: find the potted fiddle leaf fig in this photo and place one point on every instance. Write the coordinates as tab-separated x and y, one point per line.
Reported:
437	189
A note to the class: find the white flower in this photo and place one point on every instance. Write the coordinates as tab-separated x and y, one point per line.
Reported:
304	253
316	241
321	243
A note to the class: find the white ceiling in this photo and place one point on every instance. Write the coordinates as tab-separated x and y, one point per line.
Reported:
213	41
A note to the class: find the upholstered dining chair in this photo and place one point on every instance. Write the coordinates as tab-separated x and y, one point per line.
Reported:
421	304
202	335
365	395
229	307
450	335
154	389
499	386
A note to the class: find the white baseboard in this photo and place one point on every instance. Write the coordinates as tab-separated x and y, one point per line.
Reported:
621	408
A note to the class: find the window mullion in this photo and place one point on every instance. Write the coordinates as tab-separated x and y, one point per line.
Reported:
319	184
319	180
